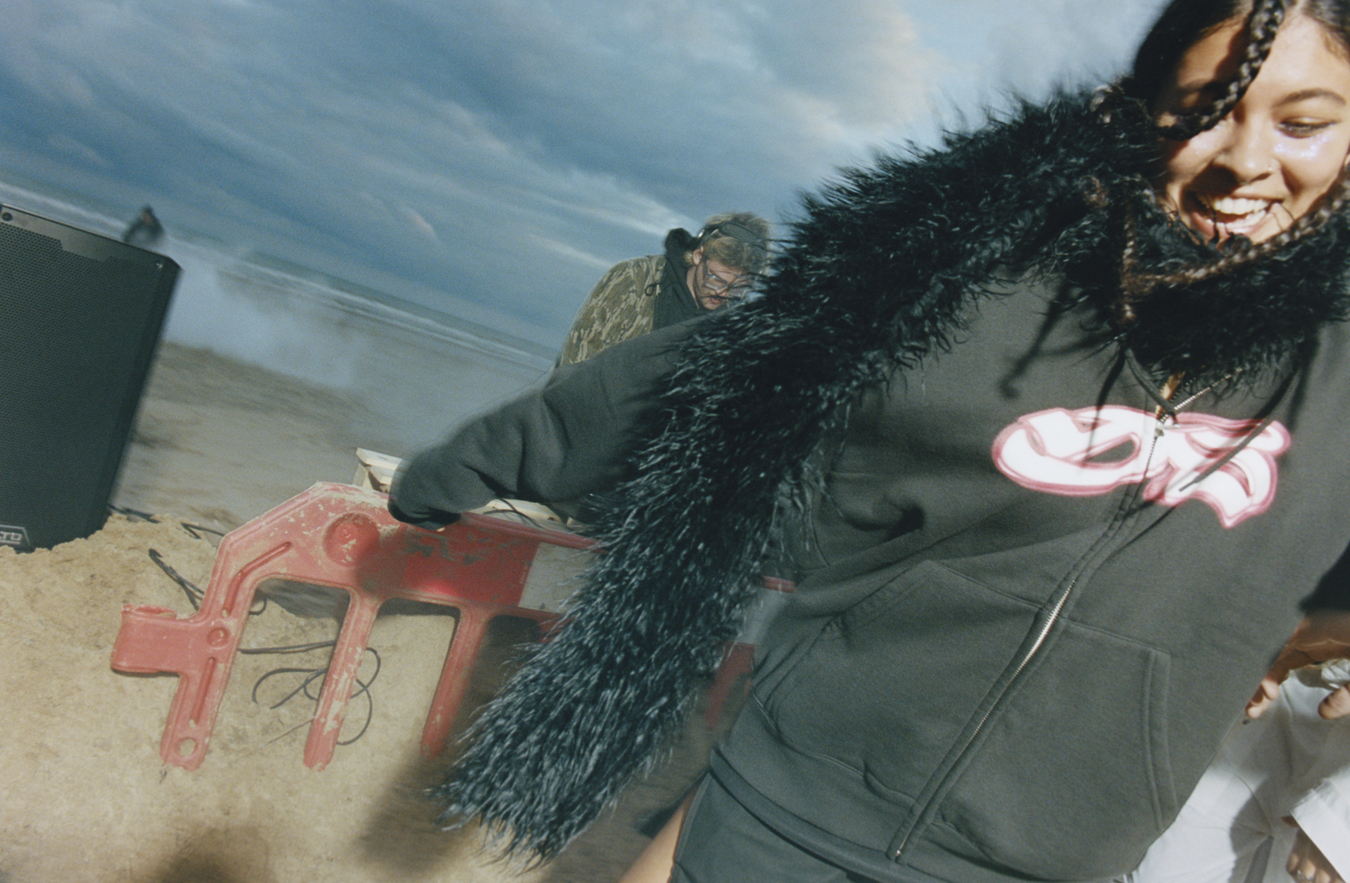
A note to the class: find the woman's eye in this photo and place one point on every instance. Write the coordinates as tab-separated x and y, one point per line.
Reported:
1304	128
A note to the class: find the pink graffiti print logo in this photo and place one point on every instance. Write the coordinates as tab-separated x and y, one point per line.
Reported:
1092	451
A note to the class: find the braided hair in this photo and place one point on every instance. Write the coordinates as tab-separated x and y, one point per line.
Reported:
1178	28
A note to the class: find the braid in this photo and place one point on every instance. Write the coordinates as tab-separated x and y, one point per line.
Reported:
1262	26
1135	287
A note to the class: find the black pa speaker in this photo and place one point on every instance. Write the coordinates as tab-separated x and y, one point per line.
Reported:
80	315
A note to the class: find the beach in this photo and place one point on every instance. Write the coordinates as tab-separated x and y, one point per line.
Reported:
218	442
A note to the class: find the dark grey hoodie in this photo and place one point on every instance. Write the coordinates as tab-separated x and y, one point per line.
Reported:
1033	592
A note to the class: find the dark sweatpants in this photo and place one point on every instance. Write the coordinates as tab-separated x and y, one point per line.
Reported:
722	842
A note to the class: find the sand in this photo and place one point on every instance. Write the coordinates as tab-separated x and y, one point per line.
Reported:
87	796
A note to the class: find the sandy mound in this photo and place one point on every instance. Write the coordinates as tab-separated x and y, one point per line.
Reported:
87	797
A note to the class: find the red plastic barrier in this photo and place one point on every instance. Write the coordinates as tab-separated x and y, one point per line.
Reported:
341	537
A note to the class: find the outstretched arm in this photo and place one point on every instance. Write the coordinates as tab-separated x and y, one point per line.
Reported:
555	443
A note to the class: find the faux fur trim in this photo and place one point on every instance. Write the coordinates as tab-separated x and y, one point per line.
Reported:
877	274
1249	322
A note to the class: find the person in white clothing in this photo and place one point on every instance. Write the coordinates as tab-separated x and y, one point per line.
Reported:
1275	803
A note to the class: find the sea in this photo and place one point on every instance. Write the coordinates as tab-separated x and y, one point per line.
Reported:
422	368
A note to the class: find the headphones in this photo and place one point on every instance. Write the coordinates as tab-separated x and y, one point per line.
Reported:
736	230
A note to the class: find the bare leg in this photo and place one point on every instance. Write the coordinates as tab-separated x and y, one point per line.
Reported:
658	859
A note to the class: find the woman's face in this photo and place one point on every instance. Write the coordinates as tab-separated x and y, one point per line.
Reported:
1284	145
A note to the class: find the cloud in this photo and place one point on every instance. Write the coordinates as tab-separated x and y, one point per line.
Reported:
503	151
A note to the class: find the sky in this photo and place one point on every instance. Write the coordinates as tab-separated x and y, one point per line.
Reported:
496	156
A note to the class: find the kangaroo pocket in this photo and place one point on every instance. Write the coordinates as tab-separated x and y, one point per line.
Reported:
1070	778
888	688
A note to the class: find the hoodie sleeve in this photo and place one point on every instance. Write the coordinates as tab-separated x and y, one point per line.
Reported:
569	437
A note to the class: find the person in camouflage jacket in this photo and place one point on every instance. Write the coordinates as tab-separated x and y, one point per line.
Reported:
695	274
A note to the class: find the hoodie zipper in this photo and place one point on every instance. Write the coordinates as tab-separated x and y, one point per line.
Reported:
1099	550
898	851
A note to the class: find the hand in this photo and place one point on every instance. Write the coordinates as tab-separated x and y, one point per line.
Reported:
1307	864
1322	636
429	518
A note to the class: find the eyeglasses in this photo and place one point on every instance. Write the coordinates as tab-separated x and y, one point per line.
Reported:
736	287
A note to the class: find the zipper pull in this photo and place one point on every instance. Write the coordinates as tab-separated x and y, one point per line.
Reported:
1169	389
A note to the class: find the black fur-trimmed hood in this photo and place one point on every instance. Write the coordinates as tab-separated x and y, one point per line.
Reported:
877	274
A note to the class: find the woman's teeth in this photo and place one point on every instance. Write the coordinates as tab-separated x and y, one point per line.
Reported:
1232	205
1235	215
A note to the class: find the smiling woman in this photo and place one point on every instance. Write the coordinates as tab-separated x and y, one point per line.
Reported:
1279	151
1048	428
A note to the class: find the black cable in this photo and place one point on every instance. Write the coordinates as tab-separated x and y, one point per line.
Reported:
195	597
133	513
318	674
194	594
529	519
293	648
193	528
